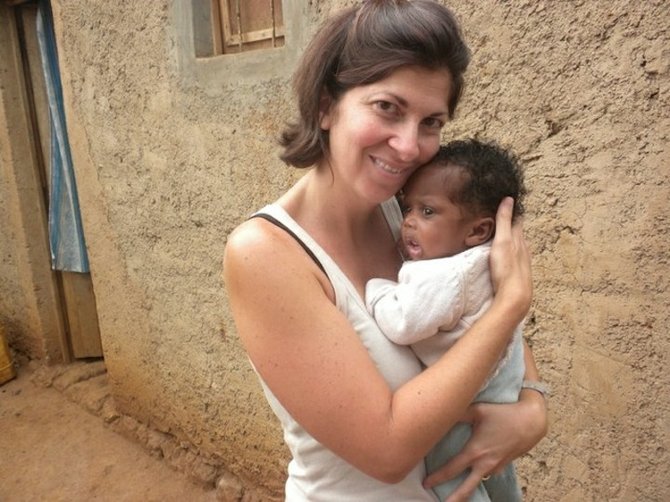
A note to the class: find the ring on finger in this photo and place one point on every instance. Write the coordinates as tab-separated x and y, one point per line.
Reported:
484	478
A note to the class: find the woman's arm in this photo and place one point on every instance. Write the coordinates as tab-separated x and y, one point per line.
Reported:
500	434
313	361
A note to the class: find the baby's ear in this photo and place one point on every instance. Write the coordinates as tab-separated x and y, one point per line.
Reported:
481	231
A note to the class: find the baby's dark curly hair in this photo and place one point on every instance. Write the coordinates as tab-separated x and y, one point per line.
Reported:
489	173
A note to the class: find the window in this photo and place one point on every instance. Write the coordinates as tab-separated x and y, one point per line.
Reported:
248	25
233	26
264	40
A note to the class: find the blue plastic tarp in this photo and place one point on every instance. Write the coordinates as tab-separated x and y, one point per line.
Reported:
66	235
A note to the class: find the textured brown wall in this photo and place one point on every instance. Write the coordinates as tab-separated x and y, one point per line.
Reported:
580	89
167	167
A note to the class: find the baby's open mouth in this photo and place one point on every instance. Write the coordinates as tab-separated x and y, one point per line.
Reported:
412	249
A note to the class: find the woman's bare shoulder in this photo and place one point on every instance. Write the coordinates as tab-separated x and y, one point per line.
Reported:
265	254
255	241
250	233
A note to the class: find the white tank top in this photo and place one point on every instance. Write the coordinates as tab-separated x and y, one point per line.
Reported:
315	474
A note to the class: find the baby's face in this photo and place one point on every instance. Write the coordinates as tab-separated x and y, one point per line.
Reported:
433	226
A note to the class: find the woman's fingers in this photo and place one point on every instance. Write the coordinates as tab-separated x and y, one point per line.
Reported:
504	219
453	468
466	488
449	470
510	261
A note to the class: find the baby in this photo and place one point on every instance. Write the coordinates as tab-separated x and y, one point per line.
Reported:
449	208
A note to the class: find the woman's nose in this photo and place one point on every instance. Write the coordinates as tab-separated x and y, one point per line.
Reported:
406	142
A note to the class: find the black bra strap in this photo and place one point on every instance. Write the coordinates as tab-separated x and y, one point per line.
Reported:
278	223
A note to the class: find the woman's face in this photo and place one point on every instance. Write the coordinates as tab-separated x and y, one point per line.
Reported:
381	132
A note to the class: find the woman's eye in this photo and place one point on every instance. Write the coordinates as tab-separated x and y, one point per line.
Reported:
433	123
385	106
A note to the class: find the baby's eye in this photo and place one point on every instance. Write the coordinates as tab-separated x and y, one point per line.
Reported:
405	210
427	211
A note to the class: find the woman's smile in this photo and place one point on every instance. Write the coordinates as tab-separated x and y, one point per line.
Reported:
387	168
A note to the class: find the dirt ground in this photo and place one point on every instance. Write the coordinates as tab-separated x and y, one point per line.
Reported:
52	447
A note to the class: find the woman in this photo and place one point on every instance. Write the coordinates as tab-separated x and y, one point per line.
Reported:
375	87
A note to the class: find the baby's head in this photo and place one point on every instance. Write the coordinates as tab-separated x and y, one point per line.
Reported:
450	203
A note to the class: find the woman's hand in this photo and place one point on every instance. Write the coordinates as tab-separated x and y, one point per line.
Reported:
500	434
510	262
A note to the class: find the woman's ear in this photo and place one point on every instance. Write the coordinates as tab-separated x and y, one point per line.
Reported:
325	111
481	231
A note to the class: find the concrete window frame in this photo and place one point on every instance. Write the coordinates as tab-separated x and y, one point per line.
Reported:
243	67
238	26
